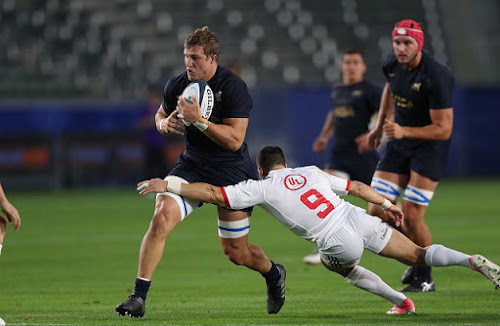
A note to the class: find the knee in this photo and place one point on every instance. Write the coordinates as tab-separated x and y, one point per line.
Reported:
163	221
417	258
236	254
414	214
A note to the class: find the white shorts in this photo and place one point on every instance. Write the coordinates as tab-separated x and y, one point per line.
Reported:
359	231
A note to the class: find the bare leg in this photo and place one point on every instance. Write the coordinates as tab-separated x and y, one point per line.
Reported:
166	216
414	226
400	180
238	250
404	250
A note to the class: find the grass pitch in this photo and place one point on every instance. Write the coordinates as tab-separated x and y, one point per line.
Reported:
75	258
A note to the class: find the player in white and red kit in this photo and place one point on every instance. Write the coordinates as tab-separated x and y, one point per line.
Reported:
306	200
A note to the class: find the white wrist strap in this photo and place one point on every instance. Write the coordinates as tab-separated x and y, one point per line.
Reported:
161	124
202	124
386	204
174	186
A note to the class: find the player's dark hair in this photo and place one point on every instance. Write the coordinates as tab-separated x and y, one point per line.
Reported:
269	157
353	51
205	38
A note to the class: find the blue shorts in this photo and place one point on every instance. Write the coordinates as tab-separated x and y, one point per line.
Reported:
359	166
217	175
427	158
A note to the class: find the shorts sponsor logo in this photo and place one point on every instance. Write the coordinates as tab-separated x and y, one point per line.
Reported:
384	233
295	181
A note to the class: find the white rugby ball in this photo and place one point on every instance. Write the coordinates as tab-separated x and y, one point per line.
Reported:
203	94
2	322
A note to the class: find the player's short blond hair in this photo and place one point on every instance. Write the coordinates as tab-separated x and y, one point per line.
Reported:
205	38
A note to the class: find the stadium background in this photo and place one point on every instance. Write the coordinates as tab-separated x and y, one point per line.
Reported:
75	73
73	78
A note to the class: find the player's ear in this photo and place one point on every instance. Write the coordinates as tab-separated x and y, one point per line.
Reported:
261	171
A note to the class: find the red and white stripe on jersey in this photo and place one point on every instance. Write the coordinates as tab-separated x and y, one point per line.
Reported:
225	197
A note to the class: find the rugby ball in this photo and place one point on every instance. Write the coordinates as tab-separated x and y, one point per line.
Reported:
2	322
205	96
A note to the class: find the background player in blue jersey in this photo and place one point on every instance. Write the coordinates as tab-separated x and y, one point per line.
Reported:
11	215
215	153
354	102
416	114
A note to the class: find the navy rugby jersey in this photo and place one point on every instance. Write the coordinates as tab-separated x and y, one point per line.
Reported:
232	100
353	106
428	86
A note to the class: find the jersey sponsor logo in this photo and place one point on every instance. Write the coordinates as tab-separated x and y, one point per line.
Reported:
391	74
416	87
356	93
344	111
295	181
402	102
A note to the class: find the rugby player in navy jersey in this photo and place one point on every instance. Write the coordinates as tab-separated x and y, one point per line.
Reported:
215	153
416	114
355	101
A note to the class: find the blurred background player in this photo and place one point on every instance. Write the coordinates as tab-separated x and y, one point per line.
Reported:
154	142
306	200
417	116
216	152
11	215
355	102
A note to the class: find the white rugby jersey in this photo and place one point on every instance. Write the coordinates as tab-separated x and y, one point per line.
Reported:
305	199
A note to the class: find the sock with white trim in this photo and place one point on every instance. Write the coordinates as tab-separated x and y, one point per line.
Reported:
142	287
367	280
439	256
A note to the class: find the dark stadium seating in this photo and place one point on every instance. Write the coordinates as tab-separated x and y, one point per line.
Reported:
115	48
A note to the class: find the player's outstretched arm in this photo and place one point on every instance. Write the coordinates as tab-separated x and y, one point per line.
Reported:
321	142
200	191
10	211
386	112
369	194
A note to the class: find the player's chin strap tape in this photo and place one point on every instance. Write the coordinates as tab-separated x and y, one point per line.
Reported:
386	188
418	196
234	229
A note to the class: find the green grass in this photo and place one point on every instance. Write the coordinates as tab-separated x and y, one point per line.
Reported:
75	258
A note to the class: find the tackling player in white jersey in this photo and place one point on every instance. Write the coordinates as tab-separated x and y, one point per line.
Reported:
306	200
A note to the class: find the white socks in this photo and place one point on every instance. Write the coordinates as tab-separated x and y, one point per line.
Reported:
439	256
367	280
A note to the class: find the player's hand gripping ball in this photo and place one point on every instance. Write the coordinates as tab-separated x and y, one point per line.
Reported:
205	96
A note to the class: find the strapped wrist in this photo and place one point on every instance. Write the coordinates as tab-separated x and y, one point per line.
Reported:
386	204
160	123
202	124
174	186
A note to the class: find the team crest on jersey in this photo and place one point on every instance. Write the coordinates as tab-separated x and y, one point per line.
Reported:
218	96
295	181
416	87
356	93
